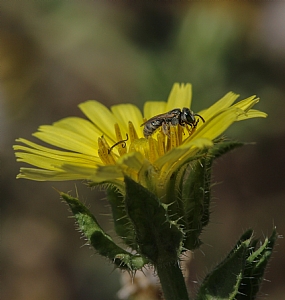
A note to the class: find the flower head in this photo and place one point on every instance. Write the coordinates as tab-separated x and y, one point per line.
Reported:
111	143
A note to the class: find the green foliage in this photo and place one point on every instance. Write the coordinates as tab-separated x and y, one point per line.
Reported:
240	274
158	237
159	232
195	195
194	192
255	266
102	242
122	223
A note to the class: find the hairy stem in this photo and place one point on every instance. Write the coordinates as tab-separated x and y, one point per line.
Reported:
172	281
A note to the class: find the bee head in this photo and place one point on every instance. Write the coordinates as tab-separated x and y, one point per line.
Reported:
188	117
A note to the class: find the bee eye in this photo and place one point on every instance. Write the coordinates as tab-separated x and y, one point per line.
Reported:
188	116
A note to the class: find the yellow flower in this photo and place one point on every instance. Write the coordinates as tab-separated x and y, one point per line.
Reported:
111	143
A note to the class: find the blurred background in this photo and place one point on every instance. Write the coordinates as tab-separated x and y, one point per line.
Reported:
56	54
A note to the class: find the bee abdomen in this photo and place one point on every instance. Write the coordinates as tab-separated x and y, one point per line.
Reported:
150	127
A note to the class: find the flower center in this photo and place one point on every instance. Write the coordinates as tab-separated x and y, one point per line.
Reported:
151	148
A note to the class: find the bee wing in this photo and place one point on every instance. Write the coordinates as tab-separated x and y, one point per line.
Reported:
169	114
154	118
144	123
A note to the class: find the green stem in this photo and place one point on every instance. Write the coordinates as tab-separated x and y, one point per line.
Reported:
172	282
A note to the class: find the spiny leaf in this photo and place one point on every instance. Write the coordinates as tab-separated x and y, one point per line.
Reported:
123	225
255	266
158	237
195	195
224	281
101	241
223	147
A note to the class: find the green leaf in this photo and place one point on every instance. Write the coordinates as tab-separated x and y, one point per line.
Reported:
195	195
157	236
123	225
224	281
222	147
255	266
240	275
101	241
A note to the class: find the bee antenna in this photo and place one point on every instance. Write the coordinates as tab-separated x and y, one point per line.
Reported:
200	117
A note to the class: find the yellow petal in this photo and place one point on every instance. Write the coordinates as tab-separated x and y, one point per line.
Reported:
180	96
66	139
177	158
80	126
46	175
44	161
82	171
182	152
56	154
216	125
252	113
154	108
106	173
131	163
247	103
126	113
136	166
45	151
101	116
219	106
75	168
39	161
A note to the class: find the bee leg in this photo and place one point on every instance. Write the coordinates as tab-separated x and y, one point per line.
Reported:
165	128
182	126
196	123
190	130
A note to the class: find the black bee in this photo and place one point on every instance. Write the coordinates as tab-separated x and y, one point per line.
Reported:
174	117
